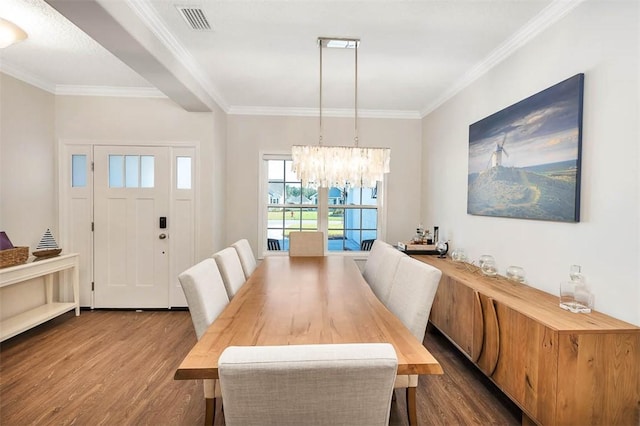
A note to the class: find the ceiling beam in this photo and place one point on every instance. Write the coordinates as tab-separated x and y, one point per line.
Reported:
116	27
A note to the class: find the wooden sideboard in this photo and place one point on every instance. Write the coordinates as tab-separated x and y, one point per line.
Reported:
560	368
15	275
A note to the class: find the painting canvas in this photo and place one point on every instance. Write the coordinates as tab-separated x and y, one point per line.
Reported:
524	161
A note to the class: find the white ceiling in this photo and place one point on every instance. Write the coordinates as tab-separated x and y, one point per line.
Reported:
261	56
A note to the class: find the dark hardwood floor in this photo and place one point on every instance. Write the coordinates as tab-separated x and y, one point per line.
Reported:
116	368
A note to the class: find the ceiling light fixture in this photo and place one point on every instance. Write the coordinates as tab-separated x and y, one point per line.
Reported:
341	166
10	33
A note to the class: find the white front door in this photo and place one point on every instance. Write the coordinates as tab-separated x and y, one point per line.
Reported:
131	252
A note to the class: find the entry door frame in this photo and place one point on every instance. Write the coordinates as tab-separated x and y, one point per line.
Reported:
83	243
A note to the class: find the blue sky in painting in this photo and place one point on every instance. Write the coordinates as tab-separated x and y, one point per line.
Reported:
541	129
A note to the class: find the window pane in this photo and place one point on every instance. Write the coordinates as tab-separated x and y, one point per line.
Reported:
131	166
290	176
369	219
183	172
354	196
147	171
116	171
78	170
336	195
276	193
352	218
369	235
275	217
369	196
309	196
309	219
276	170
336	222
293	193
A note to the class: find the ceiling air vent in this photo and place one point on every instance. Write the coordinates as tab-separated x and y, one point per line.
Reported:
195	17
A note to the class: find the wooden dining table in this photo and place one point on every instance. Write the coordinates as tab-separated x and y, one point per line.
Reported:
305	300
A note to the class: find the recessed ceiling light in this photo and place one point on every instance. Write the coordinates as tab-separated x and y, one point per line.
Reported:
339	43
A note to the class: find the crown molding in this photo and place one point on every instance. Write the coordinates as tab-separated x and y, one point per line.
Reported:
326	112
74	90
544	19
18	73
124	92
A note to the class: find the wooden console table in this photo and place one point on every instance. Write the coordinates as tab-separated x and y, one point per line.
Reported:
559	367
15	275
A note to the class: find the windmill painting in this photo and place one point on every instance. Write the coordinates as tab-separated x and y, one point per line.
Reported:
524	161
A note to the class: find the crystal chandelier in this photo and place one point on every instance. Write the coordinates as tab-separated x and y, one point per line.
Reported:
341	166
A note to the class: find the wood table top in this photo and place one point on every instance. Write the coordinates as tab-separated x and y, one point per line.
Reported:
305	300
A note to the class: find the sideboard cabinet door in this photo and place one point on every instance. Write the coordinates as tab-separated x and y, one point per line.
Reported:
452	313
599	378
527	365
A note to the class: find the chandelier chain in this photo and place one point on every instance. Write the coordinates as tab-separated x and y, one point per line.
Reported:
320	107
356	98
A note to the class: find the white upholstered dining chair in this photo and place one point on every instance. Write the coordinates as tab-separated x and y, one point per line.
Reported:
306	243
380	268
206	297
247	259
410	298
373	259
335	384
231	270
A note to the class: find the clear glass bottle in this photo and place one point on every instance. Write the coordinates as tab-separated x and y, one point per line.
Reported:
575	295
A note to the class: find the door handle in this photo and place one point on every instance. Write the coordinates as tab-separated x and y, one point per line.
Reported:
162	236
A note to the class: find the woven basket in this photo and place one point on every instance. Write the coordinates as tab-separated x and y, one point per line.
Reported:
14	256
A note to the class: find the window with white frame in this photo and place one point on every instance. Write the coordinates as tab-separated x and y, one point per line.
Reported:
348	217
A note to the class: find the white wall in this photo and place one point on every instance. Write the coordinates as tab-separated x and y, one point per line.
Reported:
27	162
600	39
247	136
28	201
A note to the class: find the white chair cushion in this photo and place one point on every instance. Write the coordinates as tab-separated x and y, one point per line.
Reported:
412	292
382	281
231	270
373	260
205	293
348	384
247	259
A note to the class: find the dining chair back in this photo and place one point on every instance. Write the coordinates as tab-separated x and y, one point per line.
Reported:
205	293
373	259
231	270
334	384
366	245
306	243
380	273
247	259
273	244
206	297
410	298
412	292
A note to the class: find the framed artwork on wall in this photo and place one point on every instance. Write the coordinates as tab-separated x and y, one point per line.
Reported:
524	161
